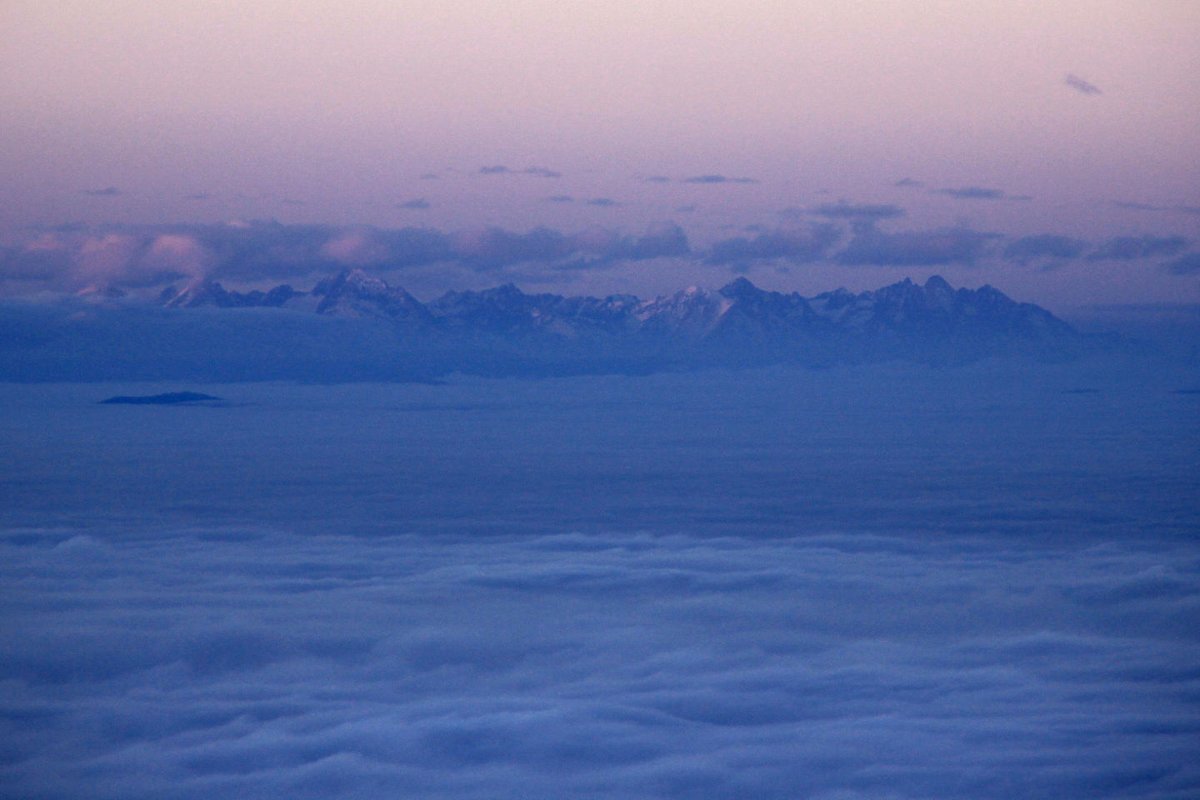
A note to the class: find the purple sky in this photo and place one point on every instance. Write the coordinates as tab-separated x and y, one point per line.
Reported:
1049	149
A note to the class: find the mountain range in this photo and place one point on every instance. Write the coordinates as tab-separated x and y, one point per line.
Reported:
930	322
355	326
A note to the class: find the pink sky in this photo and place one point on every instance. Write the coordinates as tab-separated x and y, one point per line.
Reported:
324	112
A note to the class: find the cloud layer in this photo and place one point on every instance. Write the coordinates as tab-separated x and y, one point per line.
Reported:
587	588
77	258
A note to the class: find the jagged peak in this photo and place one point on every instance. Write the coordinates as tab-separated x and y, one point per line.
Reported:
740	287
357	279
504	290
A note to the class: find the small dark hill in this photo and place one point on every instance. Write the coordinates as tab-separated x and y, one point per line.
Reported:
165	399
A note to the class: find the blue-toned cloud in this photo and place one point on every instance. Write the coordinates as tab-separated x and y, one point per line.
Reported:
1129	248
1080	85
107	191
416	204
973	193
609	665
872	247
495	248
797	245
1044	247
858	211
1135	206
1187	264
717	179
537	172
606	587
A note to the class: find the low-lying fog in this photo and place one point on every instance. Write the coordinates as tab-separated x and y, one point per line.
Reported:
862	582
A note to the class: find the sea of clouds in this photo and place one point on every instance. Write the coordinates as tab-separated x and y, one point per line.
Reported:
888	582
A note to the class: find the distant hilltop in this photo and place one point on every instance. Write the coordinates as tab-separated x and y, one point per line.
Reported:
355	326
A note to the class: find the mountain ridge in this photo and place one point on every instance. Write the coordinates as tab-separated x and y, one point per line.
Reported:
933	321
355	326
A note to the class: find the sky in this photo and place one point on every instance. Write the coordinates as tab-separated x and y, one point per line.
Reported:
1058	139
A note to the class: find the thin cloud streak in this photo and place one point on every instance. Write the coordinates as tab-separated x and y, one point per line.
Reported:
1080	85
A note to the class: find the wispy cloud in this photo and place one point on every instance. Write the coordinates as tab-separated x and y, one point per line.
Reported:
1080	85
972	193
537	172
857	211
714	179
416	204
107	191
1135	206
1044	247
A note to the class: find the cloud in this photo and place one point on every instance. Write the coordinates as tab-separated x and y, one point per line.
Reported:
492	248
1187	264
603	202
656	179
1129	248
861	211
144	256
1080	85
136	263
537	172
665	240
417	204
45	258
107	191
430	176
1043	247
1133	206
495	248
908	183
802	245
972	193
560	198
714	179
265	664
871	247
